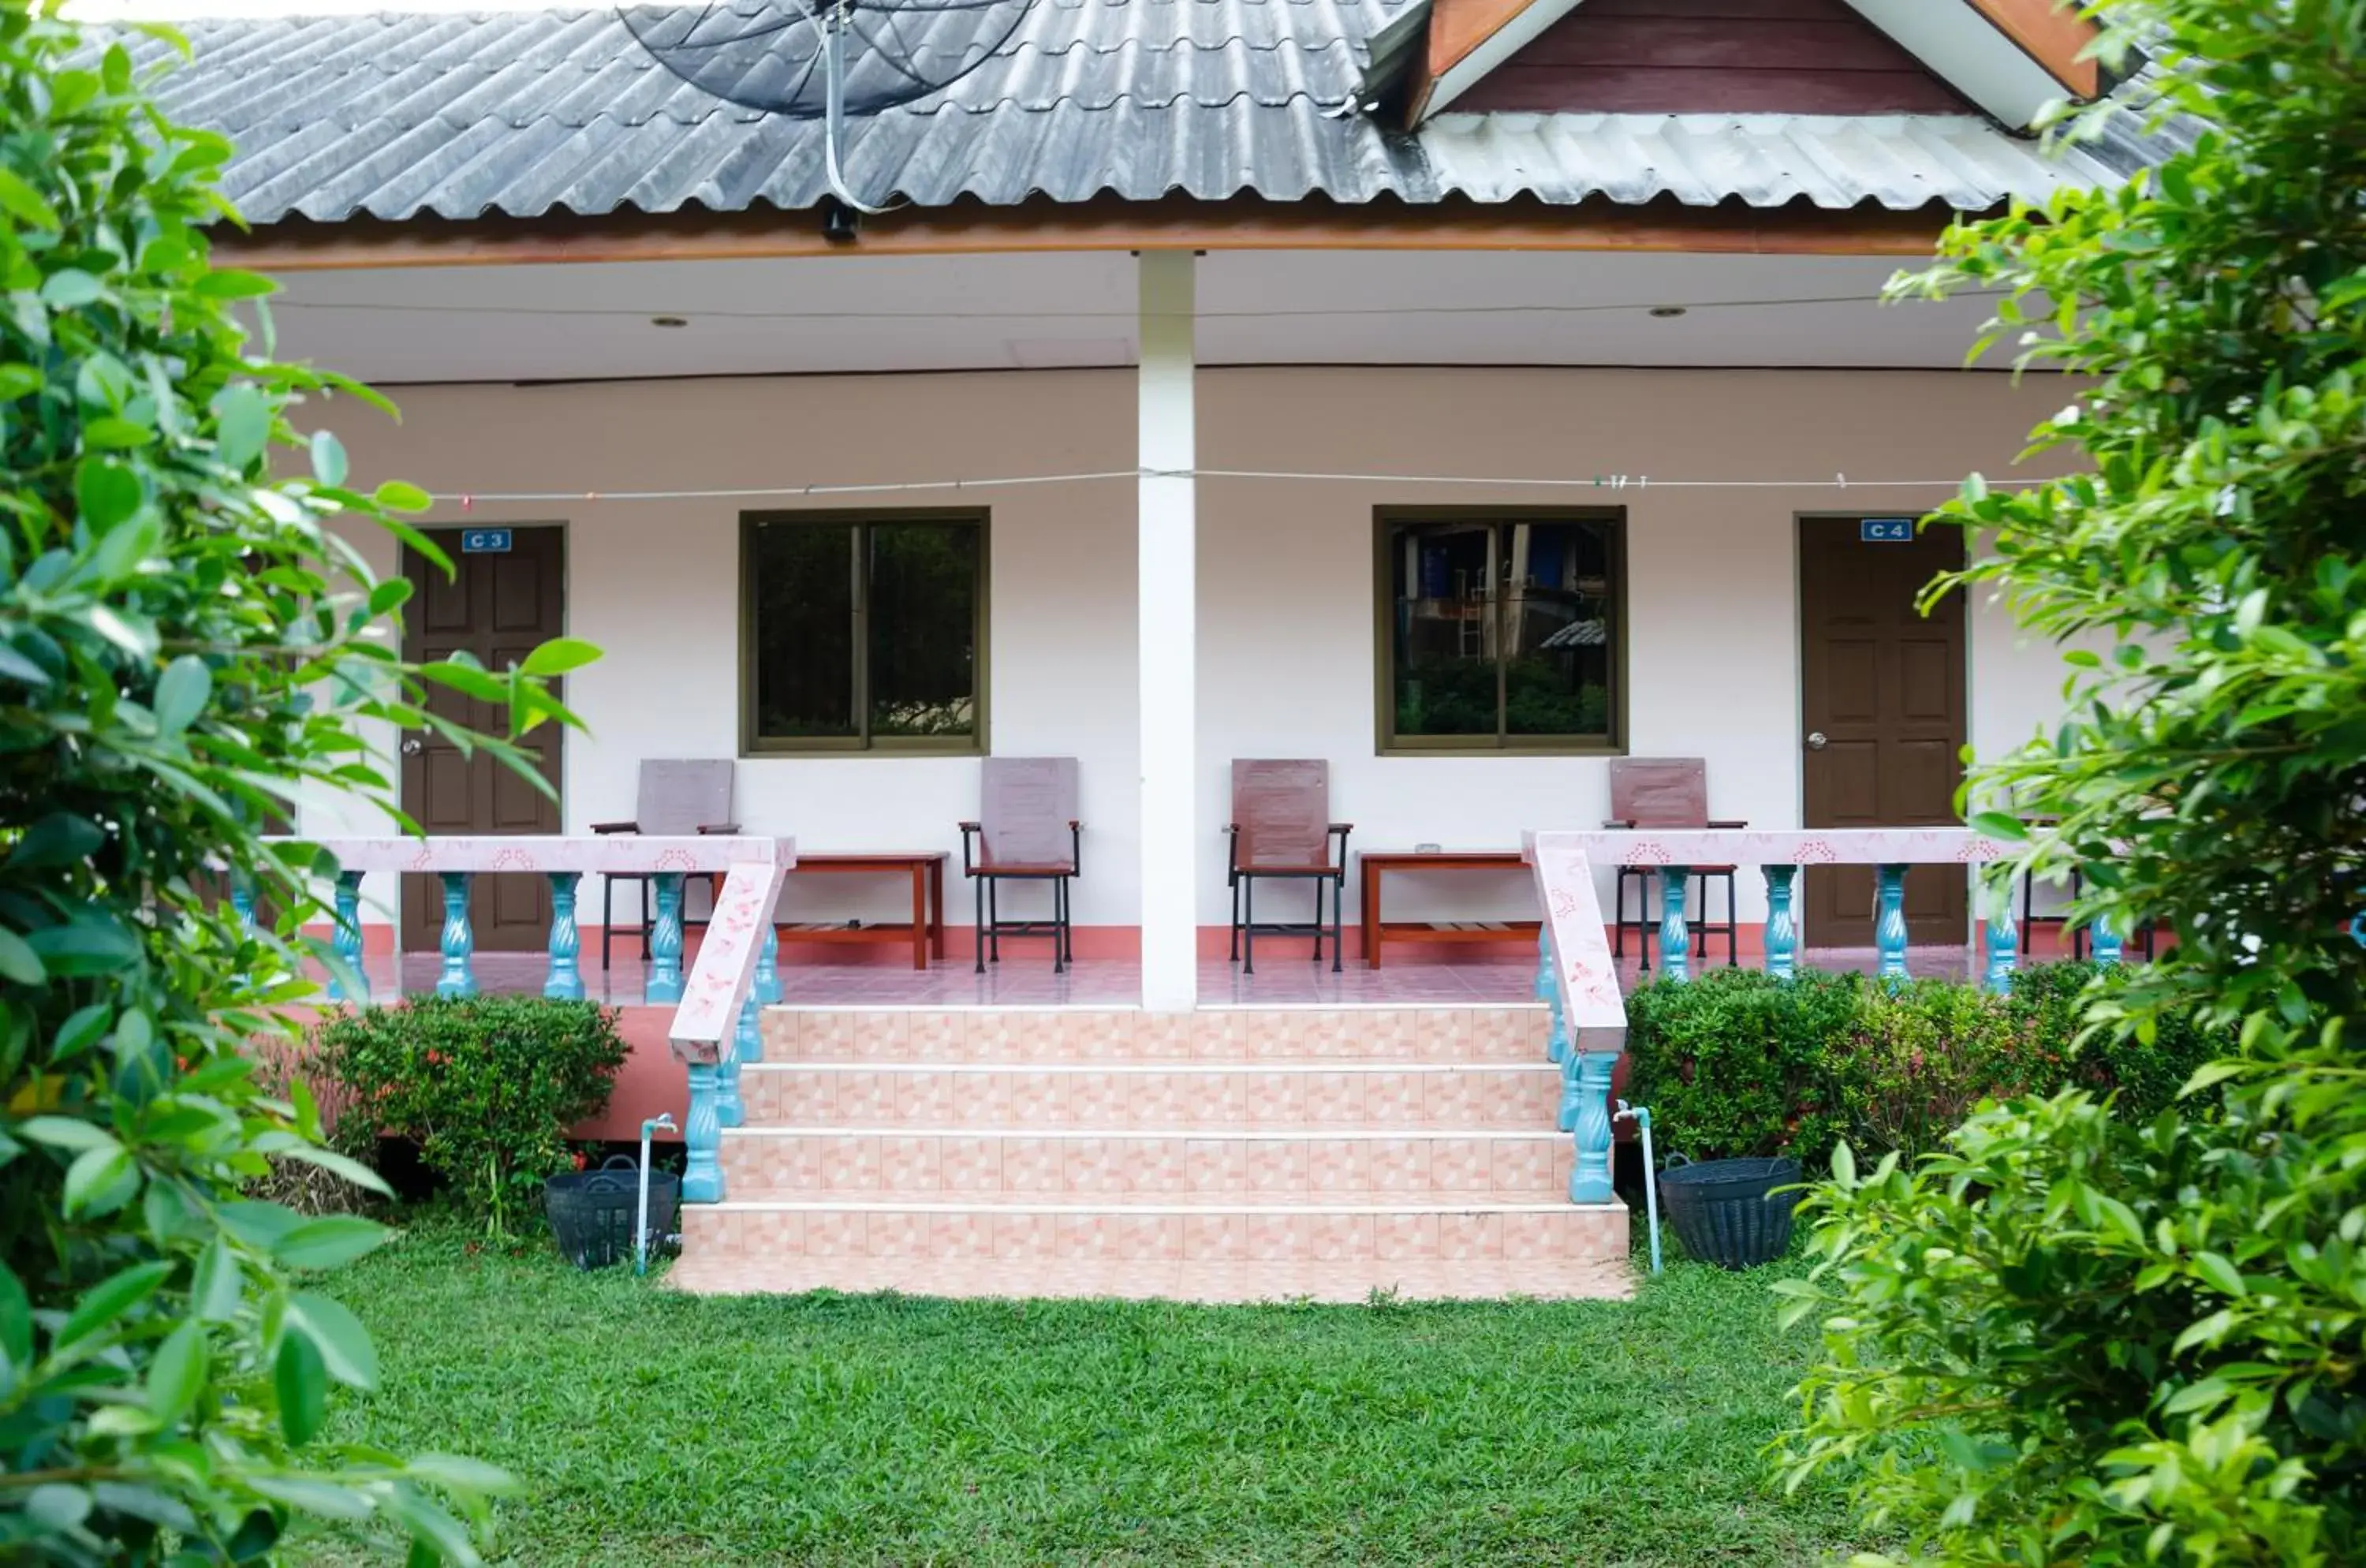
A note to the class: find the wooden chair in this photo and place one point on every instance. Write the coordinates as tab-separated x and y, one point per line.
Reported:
674	799
1281	828
1027	830
1666	792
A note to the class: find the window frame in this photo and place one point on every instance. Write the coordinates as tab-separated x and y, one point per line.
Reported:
1387	742
979	743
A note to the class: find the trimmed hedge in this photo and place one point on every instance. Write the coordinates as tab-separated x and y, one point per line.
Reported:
1738	1064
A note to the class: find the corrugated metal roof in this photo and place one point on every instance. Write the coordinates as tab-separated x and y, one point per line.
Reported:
529	112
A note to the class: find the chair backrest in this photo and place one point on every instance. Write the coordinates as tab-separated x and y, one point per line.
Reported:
1283	810
1659	791
681	798
1028	803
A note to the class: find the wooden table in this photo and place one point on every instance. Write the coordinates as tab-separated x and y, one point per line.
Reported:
927	930
1374	864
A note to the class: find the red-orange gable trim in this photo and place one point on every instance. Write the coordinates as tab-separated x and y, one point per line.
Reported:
2051	33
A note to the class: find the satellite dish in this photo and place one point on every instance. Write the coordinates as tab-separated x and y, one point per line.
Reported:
824	58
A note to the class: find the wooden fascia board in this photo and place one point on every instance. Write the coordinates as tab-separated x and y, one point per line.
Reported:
1102	225
2052	33
1965	44
1469	37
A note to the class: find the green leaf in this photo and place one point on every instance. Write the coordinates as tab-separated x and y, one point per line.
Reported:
57	1507
456	1473
328	459
1999	825
15	1319
352	1170
216	1286
397	496
301	1382
67	1133
69	289
328	1243
18	962
429	1524
466	679
107	492
558	655
104	1303
338	1334
100	1181
85	947
27	205
242	423
111	433
229	283
57	840
323	1499
2220	1273
177	1376
182	693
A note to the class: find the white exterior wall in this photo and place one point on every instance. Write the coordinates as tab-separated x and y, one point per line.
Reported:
1285	625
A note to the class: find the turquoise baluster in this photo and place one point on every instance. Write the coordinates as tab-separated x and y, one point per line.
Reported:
1556	1036
349	935
768	966
665	941
1782	930
747	1046
2108	941
1572	1110
1543	964
2004	942
1889	921
702	1177
565	981
241	903
1589	1181
1675	942
457	978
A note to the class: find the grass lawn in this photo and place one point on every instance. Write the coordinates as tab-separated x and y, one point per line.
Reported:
653	1429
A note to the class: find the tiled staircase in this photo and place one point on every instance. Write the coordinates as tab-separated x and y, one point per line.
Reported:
1234	1155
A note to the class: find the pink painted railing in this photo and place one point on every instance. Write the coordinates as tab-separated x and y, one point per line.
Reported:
714	1026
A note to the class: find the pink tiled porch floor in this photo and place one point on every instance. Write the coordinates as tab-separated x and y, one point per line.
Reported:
1281	980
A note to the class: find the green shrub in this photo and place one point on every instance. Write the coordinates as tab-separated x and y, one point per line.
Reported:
489	1086
2142	1075
1912	1064
1733	1064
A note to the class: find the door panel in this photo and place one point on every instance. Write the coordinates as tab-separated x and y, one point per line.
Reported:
1886	688
497	608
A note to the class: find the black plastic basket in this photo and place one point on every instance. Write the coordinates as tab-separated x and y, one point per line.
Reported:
591	1212
1727	1211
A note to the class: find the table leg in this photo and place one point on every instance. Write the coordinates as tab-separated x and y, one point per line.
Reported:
919	915
1370	914
937	909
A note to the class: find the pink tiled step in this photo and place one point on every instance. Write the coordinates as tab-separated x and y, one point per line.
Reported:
1135	1165
824	1237
1510	1031
707	1271
1410	1094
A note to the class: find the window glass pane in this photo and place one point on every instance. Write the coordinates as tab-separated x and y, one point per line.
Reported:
1443	655
804	605
1558	627
924	584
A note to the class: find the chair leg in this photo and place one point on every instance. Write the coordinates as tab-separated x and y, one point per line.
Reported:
1318	922
1618	913
1236	920
607	917
1700	896
1248	925
2028	908
1732	923
1338	918
977	897
1059	925
994	917
1643	931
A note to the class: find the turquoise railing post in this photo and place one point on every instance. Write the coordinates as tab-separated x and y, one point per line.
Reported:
767	969
1589	1179
1548	993
2108	943
1675	941
565	981
1889	921
349	936
2004	942
457	978
665	941
702	1177
1782	930
242	904
746	1046
1572	1110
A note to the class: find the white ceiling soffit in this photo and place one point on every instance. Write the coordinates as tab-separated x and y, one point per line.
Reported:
1501	45
1970	52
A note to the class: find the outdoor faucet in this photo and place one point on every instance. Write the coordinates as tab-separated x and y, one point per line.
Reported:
663	1123
1641	1116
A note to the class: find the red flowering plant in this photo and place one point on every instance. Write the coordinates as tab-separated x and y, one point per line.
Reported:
486	1086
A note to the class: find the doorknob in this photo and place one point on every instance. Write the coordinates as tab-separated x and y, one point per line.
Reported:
1815	740
411	745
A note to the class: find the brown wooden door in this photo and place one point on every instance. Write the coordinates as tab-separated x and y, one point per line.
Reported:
1884	687
498	607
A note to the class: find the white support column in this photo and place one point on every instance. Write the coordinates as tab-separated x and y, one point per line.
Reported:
1166	630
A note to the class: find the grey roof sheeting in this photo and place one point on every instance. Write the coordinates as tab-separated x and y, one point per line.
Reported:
526	113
